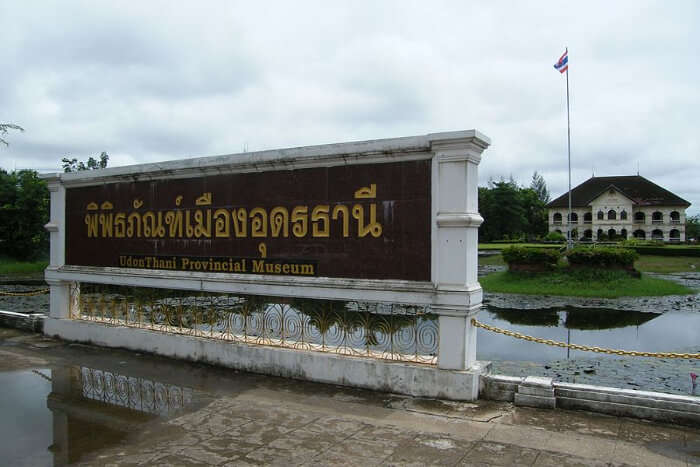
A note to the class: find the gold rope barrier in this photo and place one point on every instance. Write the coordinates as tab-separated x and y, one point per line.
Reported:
25	294
631	353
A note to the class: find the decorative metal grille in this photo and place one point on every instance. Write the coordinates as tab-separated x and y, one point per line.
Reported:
385	331
133	393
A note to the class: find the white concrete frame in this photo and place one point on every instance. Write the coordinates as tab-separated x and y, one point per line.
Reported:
453	292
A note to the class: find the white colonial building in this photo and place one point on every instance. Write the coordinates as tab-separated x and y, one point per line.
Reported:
604	208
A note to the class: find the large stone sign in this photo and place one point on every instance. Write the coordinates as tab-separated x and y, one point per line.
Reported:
391	221
387	220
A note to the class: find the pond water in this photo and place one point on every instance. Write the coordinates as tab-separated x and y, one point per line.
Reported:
673	331
626	330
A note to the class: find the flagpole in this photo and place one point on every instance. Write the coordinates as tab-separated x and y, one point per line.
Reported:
569	241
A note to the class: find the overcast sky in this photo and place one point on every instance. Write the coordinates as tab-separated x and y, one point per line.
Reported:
153	81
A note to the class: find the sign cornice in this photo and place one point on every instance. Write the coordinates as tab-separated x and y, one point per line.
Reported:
326	155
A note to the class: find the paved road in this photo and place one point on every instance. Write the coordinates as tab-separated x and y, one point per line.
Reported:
214	416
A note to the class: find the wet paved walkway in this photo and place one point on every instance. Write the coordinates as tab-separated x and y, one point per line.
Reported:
223	417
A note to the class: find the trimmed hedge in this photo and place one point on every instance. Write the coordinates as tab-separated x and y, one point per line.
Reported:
555	237
531	256
602	257
635	242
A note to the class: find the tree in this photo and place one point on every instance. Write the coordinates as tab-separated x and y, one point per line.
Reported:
535	212
73	165
511	211
3	131
692	227
24	210
500	206
538	184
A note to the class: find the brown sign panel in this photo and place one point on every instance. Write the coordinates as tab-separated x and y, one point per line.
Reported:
355	221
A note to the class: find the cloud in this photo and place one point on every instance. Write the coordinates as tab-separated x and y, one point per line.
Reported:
157	81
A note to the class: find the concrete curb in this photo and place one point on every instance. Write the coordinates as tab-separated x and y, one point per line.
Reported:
33	322
545	393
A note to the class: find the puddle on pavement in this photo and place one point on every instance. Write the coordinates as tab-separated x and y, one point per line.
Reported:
617	329
684	451
57	416
26	423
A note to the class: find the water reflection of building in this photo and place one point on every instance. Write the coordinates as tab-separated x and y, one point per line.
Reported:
575	318
95	408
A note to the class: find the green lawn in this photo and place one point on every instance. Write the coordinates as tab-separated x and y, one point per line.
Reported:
666	264
11	266
602	284
491	260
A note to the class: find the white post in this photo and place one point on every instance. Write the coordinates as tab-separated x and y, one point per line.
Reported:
59	301
455	246
569	240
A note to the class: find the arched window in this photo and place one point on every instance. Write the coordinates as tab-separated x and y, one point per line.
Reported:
588	234
623	234
558	231
601	216
574	234
574	218
557	218
612	215
640	234
600	235
674	236
657	235
588	218
612	234
675	217
623	215
657	217
639	217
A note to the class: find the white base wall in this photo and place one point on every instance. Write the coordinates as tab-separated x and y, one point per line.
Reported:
403	378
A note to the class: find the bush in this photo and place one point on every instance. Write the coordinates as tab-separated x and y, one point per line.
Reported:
555	237
635	242
602	257
541	257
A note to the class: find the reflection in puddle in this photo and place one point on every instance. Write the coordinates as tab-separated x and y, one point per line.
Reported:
688	451
89	409
94	408
133	393
25	424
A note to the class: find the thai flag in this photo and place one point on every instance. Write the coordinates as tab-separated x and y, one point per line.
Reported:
563	64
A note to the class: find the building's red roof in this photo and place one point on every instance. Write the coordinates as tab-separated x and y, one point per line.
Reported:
637	188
